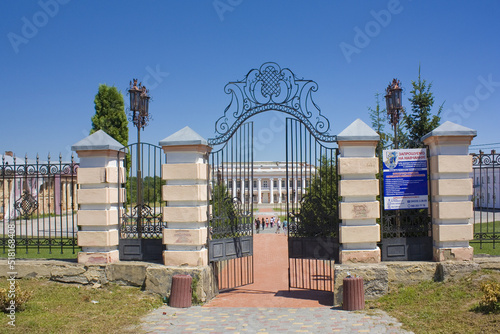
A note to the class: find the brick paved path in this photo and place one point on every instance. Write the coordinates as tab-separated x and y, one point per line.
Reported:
267	306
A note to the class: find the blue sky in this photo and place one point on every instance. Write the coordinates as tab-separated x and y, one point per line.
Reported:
55	53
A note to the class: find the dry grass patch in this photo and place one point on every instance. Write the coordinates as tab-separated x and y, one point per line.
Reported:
64	308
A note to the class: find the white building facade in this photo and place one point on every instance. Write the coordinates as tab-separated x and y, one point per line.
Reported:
269	184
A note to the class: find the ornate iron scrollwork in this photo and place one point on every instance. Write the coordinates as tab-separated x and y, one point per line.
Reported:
26	205
271	88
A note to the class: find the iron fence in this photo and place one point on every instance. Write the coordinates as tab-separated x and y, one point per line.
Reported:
38	205
486	185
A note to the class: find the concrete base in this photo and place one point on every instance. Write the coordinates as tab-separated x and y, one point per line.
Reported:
98	257
360	256
453	254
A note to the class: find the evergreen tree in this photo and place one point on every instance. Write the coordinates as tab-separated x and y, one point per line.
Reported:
110	114
421	120
378	117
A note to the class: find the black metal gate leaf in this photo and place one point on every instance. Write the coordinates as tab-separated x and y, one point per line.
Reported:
312	211
231	222
141	221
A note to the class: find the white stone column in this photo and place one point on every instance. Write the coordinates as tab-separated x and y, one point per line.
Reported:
451	191
186	174
271	191
234	187
296	193
279	190
359	187
259	190
98	201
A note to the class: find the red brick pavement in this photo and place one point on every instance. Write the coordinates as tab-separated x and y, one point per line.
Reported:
270	287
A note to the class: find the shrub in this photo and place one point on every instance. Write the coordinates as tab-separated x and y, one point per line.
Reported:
490	303
19	296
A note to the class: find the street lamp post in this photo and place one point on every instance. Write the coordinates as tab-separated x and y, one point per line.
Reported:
139	107
394	107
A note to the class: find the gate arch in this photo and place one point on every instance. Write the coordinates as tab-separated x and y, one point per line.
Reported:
269	88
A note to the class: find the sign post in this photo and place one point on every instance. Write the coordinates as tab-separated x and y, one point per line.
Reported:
405	179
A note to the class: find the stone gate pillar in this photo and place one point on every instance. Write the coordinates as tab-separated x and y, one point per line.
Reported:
359	187
451	191
97	178
186	212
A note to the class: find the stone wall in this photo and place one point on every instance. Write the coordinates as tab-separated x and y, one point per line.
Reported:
156	278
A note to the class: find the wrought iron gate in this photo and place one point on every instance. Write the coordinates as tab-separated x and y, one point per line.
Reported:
140	221
406	234
312	208
231	221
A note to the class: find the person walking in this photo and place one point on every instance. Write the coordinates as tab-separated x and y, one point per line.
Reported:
278	226
257	224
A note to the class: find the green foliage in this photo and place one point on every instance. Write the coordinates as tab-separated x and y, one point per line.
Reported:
225	218
420	121
378	117
151	189
318	211
17	297
110	114
490	302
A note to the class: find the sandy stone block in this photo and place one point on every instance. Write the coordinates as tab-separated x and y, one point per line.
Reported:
358	234
97	217
451	187
194	192
451	164
186	258
98	257
358	188
453	254
97	238
361	256
359	210
358	166
458	232
112	175
91	175
192	214
452	210
186	236
185	171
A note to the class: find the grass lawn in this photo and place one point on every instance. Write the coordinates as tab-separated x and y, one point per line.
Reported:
64	308
438	307
487	247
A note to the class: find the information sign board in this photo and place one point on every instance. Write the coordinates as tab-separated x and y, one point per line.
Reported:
405	179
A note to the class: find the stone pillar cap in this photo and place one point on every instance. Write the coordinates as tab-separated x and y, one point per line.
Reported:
450	129
98	141
185	136
358	131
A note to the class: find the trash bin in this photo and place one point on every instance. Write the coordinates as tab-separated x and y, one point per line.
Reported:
180	295
353	294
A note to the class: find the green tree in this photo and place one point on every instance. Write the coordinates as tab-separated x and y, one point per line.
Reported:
318	212
224	222
420	120
110	114
378	117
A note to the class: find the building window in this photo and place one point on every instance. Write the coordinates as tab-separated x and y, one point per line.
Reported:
290	183
230	184
246	184
265	184
283	184
254	184
299	183
275	184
